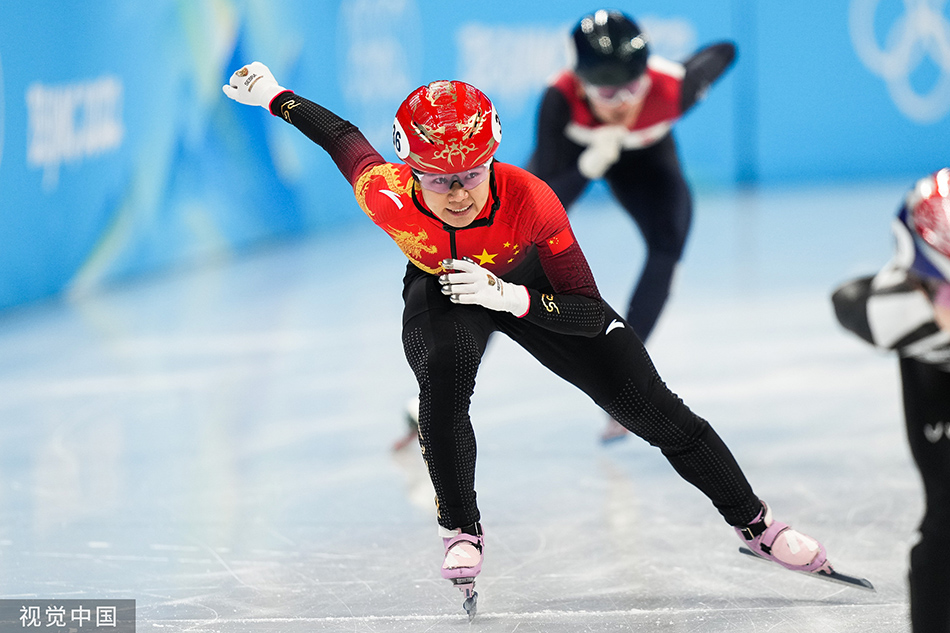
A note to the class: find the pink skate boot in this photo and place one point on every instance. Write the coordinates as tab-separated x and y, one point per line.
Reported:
769	540
779	543
463	562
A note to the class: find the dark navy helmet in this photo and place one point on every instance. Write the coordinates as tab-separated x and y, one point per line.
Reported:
611	49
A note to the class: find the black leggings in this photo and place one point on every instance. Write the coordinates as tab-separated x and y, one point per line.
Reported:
927	414
444	343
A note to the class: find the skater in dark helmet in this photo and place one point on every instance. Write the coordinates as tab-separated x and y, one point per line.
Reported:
906	308
611	117
490	248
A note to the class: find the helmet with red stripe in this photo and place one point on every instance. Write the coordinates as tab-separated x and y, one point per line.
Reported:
926	214
446	127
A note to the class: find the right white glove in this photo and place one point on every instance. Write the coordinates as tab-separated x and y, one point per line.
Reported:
253	85
603	151
469	283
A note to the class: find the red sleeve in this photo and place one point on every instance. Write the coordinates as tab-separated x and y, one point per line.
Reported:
575	306
382	190
561	257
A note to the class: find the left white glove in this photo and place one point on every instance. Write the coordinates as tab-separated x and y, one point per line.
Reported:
253	85
472	284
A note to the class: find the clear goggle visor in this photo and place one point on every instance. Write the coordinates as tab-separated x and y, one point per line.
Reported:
443	183
614	95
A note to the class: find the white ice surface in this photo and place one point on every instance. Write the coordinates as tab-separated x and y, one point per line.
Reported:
216	444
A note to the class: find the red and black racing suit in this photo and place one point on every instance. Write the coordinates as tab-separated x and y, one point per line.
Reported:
647	180
522	235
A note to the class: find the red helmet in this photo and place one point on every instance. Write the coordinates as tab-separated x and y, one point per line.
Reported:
929	204
446	127
926	214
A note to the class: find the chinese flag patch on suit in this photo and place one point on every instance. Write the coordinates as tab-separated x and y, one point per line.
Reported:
561	241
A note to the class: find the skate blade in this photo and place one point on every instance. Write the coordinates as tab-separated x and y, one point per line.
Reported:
467	587
825	574
471	605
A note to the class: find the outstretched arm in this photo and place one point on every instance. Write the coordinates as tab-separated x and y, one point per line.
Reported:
702	69
255	85
899	315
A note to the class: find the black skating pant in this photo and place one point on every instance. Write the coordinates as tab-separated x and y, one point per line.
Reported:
926	394
650	186
444	343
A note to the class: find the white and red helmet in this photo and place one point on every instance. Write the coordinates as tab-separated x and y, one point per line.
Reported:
446	127
926	214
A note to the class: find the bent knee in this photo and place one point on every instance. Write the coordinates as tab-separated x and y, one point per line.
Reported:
455	357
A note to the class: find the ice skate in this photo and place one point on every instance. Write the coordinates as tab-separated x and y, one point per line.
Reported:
775	541
412	425
463	562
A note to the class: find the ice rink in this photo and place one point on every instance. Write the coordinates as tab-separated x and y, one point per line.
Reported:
215	443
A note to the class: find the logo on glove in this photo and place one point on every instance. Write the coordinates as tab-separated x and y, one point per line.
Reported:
242	72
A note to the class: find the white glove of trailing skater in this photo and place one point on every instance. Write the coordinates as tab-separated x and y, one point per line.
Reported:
253	85
472	284
603	151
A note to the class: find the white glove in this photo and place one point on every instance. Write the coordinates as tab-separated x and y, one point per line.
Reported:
253	85
603	151
472	284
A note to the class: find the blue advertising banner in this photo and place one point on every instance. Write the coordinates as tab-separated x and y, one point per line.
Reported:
119	154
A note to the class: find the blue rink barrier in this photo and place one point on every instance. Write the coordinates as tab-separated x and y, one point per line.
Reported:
119	154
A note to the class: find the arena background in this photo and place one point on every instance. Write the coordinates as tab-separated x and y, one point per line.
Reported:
119	155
